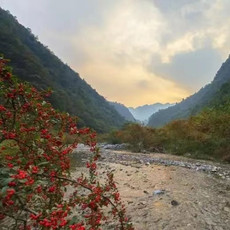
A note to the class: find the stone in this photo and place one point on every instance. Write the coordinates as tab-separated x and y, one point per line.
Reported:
141	161
143	202
158	192
214	169
174	203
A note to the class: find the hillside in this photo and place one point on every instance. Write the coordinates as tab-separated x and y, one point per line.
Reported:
123	111
35	63
142	113
195	103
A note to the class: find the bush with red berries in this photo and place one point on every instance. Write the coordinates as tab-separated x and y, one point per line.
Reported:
35	166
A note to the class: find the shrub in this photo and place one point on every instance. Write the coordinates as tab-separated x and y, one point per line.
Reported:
35	166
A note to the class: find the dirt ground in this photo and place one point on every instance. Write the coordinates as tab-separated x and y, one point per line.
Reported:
189	199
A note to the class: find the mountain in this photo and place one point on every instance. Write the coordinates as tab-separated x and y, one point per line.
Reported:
35	63
123	111
142	113
195	103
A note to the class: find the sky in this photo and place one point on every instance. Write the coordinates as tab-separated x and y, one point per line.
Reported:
134	52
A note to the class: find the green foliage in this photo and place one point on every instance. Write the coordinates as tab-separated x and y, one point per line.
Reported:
35	63
206	135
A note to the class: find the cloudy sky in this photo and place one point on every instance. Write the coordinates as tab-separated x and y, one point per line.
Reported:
134	51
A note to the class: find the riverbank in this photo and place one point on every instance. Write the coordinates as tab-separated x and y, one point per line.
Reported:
170	192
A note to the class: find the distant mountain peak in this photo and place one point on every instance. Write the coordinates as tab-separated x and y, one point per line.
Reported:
143	112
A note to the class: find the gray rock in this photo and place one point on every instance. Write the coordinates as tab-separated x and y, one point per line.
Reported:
141	161
158	192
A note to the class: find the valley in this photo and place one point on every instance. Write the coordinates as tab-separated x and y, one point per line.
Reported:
154	100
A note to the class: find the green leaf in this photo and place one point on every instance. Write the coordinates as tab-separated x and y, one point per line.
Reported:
43	163
74	220
5	182
3	191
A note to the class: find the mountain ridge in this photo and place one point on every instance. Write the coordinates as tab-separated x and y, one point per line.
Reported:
194	103
35	63
123	111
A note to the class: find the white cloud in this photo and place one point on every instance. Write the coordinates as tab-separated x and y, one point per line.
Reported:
114	44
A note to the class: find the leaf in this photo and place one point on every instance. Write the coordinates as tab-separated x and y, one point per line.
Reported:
6	181
74	220
43	163
3	191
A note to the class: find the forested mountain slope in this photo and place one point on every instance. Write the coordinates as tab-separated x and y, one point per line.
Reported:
35	63
123	111
195	103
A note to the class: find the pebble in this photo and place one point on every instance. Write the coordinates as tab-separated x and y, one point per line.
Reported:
197	166
107	155
174	203
143	203
158	192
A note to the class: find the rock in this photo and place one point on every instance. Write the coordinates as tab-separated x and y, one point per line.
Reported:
145	192
143	202
147	163
174	203
226	209
214	169
159	192
115	146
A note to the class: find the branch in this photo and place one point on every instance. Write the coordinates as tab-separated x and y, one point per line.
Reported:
13	217
86	187
24	206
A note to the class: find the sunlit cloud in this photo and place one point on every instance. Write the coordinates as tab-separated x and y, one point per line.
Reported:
134	51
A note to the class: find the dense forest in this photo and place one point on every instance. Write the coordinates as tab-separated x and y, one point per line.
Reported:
35	63
195	103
